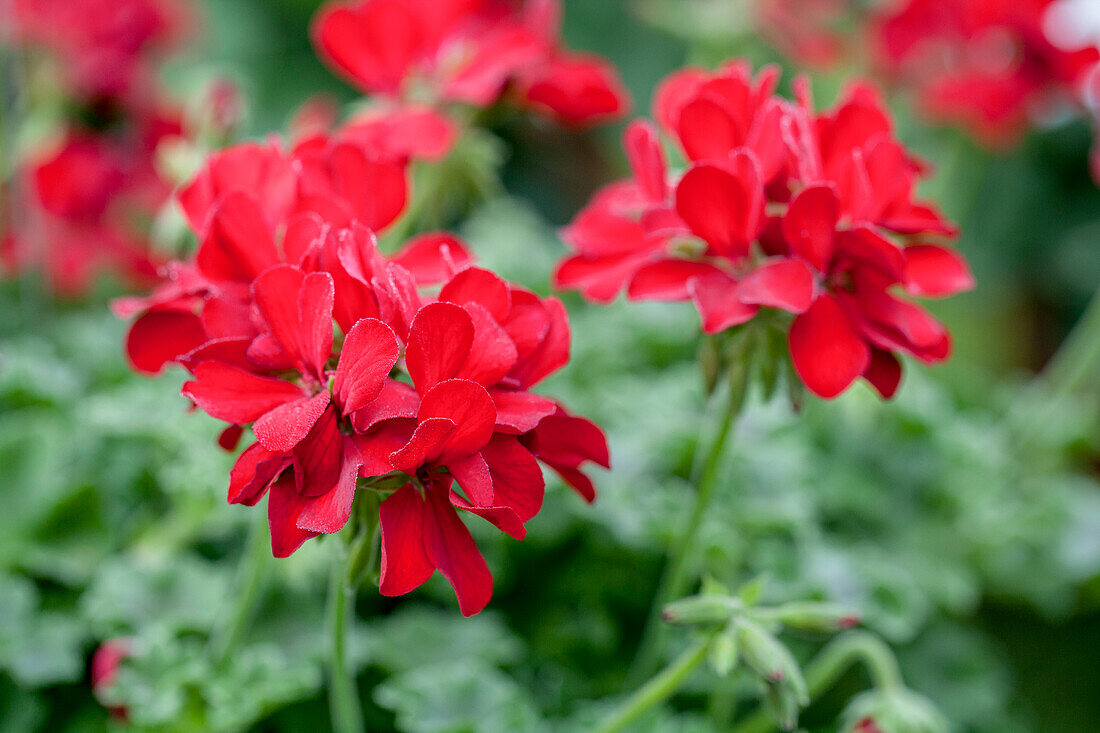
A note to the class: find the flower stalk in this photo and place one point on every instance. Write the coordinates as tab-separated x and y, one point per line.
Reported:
347	717
677	577
658	689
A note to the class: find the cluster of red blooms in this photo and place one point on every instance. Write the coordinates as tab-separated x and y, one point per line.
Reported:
783	208
422	54
91	191
427	388
988	65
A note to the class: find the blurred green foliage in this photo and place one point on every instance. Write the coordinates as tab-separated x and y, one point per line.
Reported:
970	545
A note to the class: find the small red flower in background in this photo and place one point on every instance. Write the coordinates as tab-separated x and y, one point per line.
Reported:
427	382
467	51
105	662
987	65
780	207
812	32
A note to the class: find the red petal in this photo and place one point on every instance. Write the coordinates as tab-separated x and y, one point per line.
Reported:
253	473
472	474
785	284
230	438
451	549
237	396
517	478
372	43
666	280
375	189
647	159
469	407
297	309
304	232
286	425
934	271
492	353
567	440
717	207
375	449
520	412
883	373
424	446
862	246
719	303
475	285
318	457
405	564
159	337
433	258
284	506
369	353
826	350
396	400
552	353
707	130
237	244
329	512
439	342
810	225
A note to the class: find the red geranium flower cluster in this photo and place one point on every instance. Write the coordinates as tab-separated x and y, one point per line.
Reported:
427	388
779	208
85	197
988	65
420	54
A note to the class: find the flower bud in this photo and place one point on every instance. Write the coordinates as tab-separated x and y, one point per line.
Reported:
783	705
723	653
700	610
810	616
771	659
895	710
710	359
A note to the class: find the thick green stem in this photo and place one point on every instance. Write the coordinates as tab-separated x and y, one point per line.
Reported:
251	576
657	690
831	663
343	697
676	578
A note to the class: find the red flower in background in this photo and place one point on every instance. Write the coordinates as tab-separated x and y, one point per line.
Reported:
467	51
780	207
424	384
987	65
87	196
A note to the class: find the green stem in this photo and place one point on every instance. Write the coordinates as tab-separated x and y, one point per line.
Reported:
831	663
343	697
251	576
657	690
676	577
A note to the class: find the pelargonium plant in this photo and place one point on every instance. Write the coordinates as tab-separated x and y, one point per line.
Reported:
406	377
802	219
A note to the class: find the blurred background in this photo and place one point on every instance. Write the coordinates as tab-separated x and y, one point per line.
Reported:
976	559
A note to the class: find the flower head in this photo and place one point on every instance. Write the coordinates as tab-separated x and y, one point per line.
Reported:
780	208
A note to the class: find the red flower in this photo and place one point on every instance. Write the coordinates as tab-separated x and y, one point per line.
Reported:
983	65
780	207
429	390
106	660
465	51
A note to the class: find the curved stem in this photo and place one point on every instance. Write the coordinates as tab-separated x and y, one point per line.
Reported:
657	690
831	663
252	574
343	697
676	578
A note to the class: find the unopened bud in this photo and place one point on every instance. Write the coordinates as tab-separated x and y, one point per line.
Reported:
723	653
710	359
809	616
700	610
771	659
783	706
893	710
